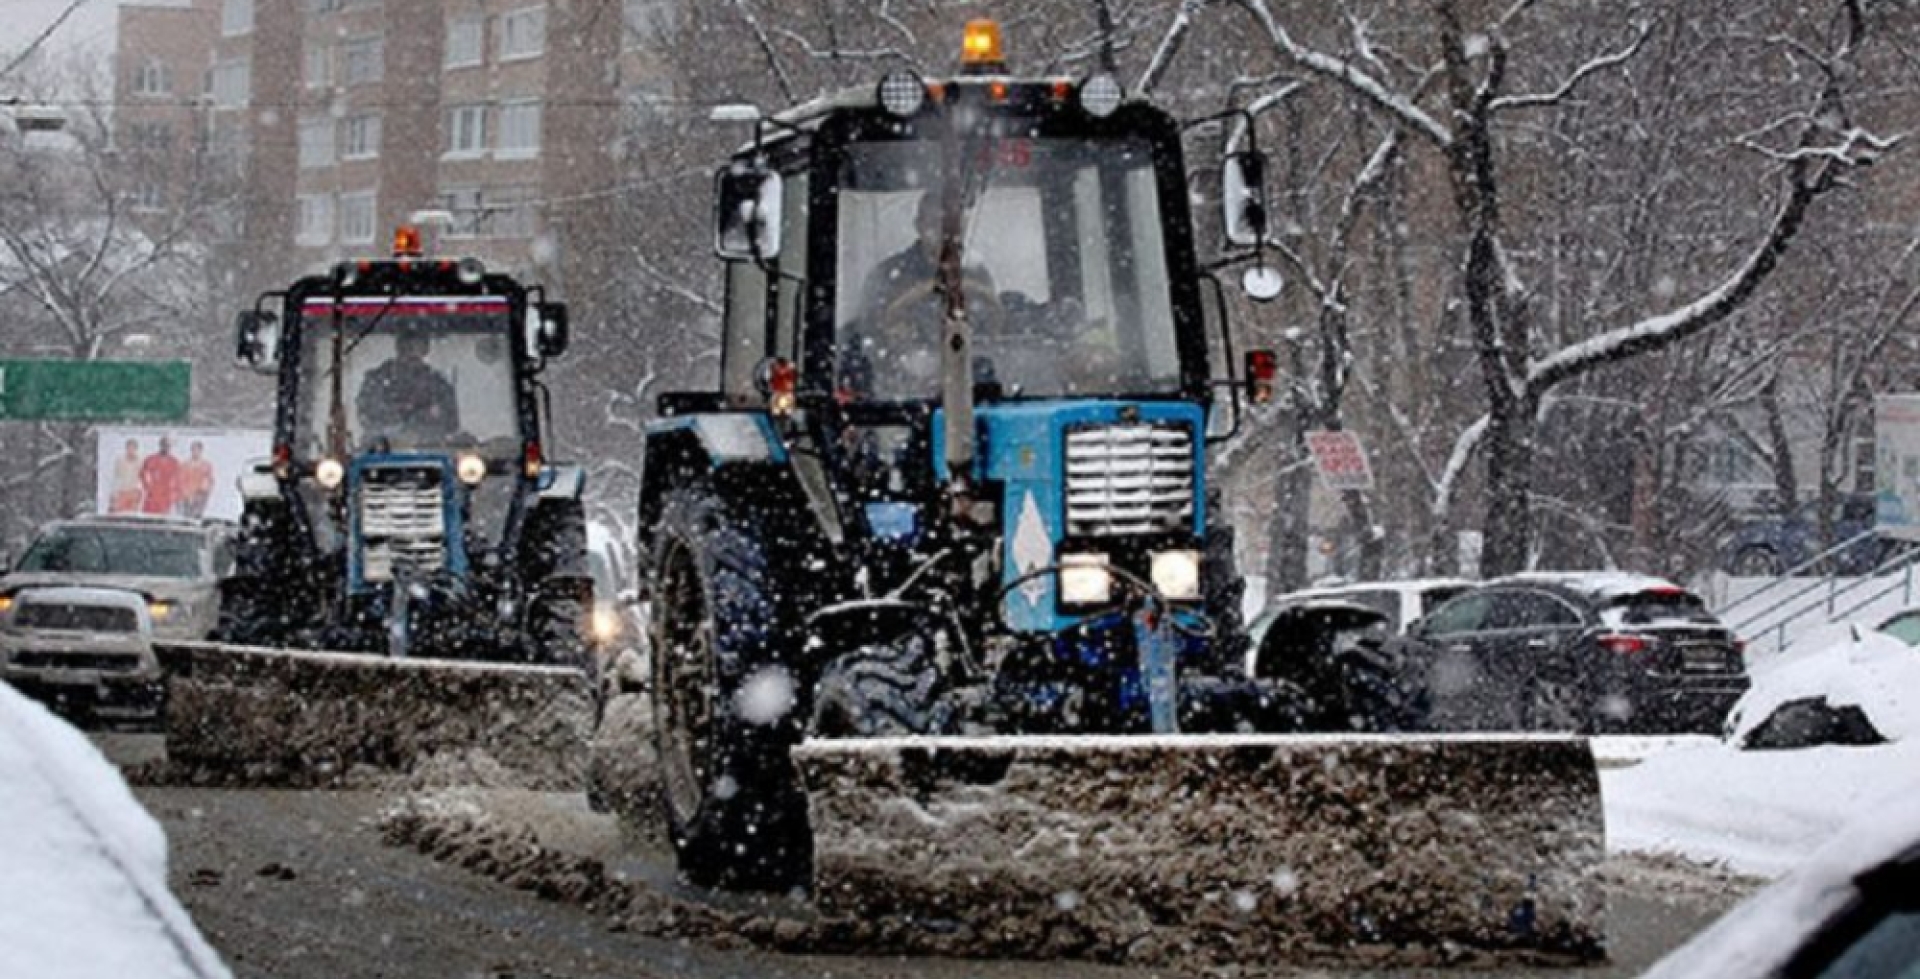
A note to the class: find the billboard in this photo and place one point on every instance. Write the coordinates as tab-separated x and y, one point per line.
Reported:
1896	465
167	471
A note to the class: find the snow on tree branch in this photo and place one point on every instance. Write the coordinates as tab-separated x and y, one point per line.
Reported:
1580	74
1346	73
779	70
1169	46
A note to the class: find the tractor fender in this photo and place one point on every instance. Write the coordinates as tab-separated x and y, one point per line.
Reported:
562	481
736	454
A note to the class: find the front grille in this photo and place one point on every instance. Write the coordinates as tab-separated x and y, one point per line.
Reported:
104	662
1129	479
402	523
76	618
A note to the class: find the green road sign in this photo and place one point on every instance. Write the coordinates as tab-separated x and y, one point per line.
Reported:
95	390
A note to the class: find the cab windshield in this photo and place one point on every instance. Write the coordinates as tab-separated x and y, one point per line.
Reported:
1065	268
416	375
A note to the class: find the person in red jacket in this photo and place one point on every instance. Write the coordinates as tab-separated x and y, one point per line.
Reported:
159	480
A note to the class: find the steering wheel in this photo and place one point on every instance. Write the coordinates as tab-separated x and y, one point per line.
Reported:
895	316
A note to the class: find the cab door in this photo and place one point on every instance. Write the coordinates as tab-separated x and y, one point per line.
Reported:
1532	640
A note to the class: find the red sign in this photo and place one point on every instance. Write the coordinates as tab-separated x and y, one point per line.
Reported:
1341	460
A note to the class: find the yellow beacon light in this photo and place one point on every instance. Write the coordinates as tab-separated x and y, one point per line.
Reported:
981	47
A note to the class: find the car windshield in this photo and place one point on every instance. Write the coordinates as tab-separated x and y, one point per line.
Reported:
117	551
1064	268
417	374
1905	628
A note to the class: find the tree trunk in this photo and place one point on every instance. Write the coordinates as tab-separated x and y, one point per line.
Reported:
1287	533
1508	524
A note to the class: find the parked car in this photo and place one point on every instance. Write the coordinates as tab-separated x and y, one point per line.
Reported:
1399	602
1852	909
87	653
1903	625
174	563
1772	546
1580	651
1858	690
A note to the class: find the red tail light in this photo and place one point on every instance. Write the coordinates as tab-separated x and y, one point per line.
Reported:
783	381
1262	367
282	460
1624	644
534	461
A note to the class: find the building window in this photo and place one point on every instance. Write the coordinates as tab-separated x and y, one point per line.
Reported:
152	78
357	218
316	142
523	33
466	130
364	59
465	41
148	194
360	137
313	220
648	22
230	83
236	17
464	204
519	130
150	137
508	212
317	65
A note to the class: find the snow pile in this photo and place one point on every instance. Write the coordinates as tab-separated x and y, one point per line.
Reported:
1762	812
83	868
1877	673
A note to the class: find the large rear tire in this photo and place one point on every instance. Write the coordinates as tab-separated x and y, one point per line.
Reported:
1223	590
734	809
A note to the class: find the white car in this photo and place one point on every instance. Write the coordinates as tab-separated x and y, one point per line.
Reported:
1401	603
175	562
83	868
1852	909
85	652
1863	689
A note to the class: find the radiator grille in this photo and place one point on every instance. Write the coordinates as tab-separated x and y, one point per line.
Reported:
402	523
76	618
1129	479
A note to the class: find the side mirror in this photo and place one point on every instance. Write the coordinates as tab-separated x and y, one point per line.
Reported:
553	328
257	340
1243	192
747	212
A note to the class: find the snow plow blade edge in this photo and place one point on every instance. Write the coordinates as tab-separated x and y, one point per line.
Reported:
241	715
1251	848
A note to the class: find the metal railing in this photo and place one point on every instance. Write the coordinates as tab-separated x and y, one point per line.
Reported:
1894	573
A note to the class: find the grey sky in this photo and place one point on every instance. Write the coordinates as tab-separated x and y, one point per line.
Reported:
90	27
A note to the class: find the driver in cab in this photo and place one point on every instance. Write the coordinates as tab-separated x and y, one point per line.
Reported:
898	342
406	398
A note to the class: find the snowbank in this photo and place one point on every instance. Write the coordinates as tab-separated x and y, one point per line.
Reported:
1762	812
83	868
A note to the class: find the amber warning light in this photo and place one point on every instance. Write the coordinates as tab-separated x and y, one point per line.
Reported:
981	47
406	242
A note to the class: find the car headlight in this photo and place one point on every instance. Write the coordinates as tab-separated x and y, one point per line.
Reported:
1177	574
161	609
329	473
606	624
1085	580
471	469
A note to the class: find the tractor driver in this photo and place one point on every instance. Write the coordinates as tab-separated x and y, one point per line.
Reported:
903	310
406	397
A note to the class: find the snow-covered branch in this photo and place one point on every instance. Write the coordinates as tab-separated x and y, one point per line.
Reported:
1169	46
1580	74
1401	108
780	76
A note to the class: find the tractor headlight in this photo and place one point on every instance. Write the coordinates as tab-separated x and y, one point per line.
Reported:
606	624
901	93
1177	574
471	469
1101	95
1085	580
329	473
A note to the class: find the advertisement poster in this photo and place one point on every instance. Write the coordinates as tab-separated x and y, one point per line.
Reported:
1896	465
184	472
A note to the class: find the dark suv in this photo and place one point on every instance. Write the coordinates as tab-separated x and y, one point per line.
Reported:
1589	652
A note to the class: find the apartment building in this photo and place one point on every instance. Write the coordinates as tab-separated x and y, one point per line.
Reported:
346	117
161	113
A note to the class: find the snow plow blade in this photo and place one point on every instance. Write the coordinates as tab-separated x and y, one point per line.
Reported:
242	715
1230	848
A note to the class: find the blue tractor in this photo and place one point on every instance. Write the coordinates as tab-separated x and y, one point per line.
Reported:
410	508
945	625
